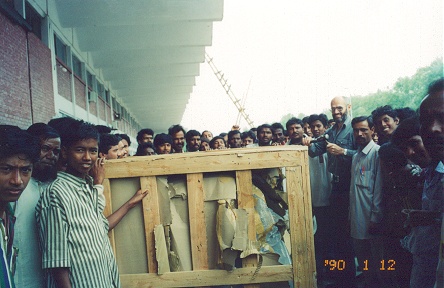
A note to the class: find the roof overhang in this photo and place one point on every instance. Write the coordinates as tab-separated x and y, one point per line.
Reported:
148	52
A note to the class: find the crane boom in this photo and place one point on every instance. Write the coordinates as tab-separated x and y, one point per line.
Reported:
224	82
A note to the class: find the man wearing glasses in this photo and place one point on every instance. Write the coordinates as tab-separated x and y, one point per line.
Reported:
340	148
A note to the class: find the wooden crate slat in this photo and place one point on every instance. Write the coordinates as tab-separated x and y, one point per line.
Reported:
245	200
199	278
196	198
108	210
301	241
209	161
306	190
151	218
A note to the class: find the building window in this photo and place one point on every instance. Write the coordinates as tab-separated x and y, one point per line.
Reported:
107	97
34	20
90	80
77	67
92	94
101	90
61	50
114	103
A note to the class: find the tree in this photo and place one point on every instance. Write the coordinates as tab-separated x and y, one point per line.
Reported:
407	91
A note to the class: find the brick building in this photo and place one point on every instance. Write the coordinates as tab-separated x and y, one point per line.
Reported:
115	63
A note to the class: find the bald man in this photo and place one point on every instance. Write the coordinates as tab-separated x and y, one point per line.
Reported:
340	149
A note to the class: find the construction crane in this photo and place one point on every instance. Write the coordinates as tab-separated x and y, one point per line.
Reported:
224	82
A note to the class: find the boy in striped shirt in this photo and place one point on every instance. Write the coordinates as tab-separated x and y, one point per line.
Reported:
73	231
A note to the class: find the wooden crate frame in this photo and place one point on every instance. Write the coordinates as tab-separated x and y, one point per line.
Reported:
242	161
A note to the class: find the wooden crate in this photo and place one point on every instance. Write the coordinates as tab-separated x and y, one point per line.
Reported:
242	161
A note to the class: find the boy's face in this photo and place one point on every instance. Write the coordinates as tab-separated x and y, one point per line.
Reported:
15	172
122	149
165	148
113	153
317	128
81	156
386	125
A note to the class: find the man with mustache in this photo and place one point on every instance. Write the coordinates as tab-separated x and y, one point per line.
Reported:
178	134
18	151
365	203
29	271
427	222
340	148
295	131
193	140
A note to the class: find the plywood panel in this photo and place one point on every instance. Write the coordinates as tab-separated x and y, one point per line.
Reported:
129	234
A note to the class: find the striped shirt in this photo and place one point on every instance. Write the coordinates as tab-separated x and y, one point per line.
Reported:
365	191
73	233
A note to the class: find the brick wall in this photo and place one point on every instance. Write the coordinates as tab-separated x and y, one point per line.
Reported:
102	109
15	104
79	88
16	107
92	108
109	116
42	90
64	81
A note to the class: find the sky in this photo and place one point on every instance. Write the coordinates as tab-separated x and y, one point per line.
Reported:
295	56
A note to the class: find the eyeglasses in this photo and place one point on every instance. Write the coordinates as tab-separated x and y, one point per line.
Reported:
339	108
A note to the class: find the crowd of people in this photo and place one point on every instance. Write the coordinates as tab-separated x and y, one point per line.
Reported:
376	183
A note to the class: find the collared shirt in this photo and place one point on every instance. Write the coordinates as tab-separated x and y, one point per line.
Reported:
338	165
29	261
426	239
7	261
74	233
365	191
432	197
320	180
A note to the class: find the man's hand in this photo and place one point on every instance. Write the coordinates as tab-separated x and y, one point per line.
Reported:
334	149
61	277
98	171
115	218
306	141
137	197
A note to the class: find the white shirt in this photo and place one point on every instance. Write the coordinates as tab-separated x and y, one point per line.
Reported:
29	271
365	191
320	180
